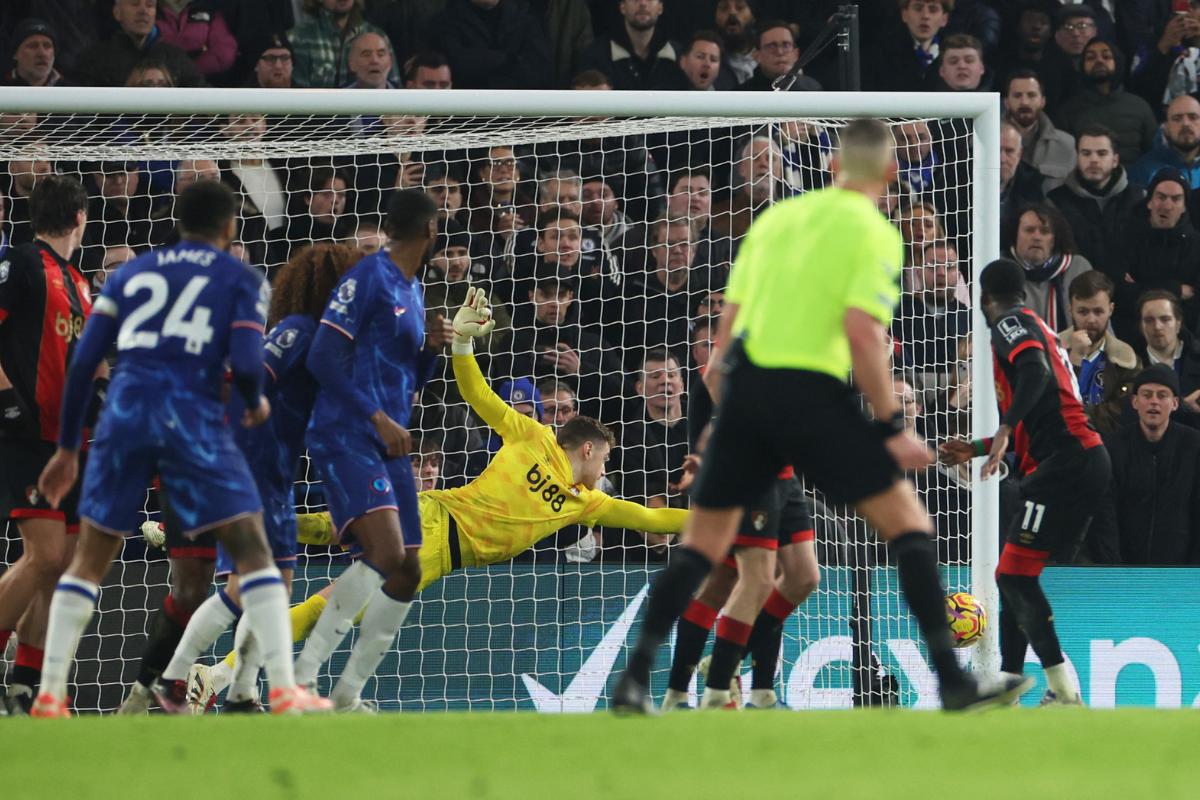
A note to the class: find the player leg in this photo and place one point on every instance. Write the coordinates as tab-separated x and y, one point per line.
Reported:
756	573
691	632
799	576
243	687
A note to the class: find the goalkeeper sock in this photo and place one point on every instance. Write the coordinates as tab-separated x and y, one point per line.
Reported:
730	646
244	685
1013	644
70	610
381	622
211	619
766	639
166	631
670	596
916	566
303	616
266	604
349	594
27	667
691	634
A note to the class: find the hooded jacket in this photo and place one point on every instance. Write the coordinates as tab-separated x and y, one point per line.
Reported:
1156	259
1128	116
1098	217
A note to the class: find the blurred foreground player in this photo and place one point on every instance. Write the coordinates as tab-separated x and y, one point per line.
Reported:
810	299
1063	466
43	304
176	316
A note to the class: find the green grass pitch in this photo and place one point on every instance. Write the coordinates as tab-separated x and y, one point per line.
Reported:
1014	755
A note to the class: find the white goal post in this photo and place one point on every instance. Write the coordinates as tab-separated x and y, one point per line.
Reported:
70	126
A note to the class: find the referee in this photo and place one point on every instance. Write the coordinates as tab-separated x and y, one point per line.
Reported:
808	304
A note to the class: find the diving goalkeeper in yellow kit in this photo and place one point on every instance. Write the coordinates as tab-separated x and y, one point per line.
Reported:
537	483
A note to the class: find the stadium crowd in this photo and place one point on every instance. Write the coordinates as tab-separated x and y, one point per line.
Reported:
606	259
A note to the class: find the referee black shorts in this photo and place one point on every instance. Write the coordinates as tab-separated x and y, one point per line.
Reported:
773	417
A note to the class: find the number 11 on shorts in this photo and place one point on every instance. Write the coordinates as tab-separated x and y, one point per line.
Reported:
1033	512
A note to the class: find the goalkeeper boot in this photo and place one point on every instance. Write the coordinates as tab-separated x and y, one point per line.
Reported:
298	700
137	702
1051	698
201	689
171	696
763	698
675	700
47	706
630	697
976	694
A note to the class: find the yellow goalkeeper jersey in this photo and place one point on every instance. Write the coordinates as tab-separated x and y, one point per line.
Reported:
528	491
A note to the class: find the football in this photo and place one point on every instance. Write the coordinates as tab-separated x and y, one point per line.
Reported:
966	617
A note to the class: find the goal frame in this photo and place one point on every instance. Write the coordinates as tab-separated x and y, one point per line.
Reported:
983	109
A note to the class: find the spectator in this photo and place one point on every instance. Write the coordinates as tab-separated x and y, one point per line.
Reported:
639	56
654	440
1074	26
548	342
658	308
1166	341
558	248
114	257
1103	101
758	169
273	66
1179	148
117	213
261	187
1097	198
495	207
1172	64
321	43
1033	51
919	226
905	59
689	196
426	457
183	173
776	54
109	62
370	62
1020	184
34	46
701	343
319	219
734	21
931	319
525	399
961	67
198	29
1042	242
569	29
427	70
559	404
1156	478
920	164
602	214
1043	146
492	44
446	191
701	61
1104	365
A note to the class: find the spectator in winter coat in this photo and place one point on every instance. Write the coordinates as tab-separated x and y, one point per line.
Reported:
776	54
1044	147
107	63
492	44
640	56
321	43
198	29
1020	184
33	53
1102	100
1179	148
1041	241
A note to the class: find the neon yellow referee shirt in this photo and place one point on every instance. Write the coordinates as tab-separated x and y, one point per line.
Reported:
802	265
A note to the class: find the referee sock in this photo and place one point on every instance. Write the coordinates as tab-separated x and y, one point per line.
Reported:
208	622
381	622
668	598
766	640
266	604
730	646
349	595
916	566
70	611
691	634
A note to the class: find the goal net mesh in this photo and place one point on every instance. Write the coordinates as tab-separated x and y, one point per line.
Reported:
662	205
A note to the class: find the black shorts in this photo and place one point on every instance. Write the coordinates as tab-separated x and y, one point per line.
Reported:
773	417
781	516
1057	502
21	464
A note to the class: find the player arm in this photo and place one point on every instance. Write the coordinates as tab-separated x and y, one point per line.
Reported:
98	336
496	413
1033	374
714	376
871	362
328	357
624	514
246	362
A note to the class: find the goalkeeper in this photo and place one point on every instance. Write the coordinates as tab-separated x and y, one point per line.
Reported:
538	482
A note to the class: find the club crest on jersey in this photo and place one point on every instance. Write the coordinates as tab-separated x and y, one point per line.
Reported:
5	266
1011	329
400	311
346	291
287	338
380	485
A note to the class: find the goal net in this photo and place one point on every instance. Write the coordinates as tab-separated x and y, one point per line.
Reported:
604	227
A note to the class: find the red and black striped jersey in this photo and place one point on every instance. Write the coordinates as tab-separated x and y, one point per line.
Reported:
44	302
1057	420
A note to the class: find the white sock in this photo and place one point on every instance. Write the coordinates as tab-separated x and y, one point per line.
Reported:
266	606
1060	683
249	661
349	595
380	624
220	676
70	610
210	620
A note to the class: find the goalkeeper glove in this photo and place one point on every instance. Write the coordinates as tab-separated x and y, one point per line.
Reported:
473	319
